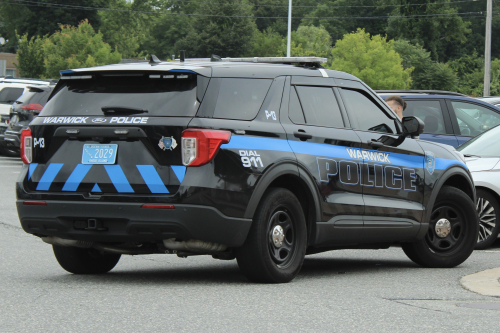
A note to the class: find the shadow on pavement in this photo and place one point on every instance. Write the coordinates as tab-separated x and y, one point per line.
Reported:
228	272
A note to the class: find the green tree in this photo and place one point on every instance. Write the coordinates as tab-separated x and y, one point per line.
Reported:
227	30
124	29
267	43
433	33
40	19
372	59
75	47
30	57
311	41
470	72
339	16
427	73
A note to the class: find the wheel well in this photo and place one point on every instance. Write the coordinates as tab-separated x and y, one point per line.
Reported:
299	188
461	183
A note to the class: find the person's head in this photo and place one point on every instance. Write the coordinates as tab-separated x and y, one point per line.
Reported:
397	104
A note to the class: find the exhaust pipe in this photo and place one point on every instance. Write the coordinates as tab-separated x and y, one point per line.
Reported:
90	244
193	245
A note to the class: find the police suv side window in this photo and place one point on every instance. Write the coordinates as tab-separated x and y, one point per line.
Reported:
368	115
317	106
241	99
295	109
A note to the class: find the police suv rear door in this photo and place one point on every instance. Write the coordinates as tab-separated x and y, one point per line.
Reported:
391	167
107	133
316	130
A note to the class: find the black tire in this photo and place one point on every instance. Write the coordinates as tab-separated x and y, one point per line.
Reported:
259	259
457	208
85	261
488	210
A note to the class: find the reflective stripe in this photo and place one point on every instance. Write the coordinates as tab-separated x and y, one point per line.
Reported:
48	176
32	168
96	188
118	179
323	72
76	177
152	179
180	171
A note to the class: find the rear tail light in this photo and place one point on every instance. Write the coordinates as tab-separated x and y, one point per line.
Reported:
34	203
32	107
199	146
26	146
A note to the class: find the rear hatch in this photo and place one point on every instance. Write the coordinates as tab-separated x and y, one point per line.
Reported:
108	132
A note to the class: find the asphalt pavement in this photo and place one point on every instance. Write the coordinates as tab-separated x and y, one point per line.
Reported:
338	291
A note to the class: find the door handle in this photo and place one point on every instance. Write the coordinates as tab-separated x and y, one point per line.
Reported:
376	144
302	135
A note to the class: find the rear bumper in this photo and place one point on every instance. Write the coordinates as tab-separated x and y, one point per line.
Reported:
11	141
125	222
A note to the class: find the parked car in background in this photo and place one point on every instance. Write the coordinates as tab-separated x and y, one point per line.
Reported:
22	112
482	155
450	118
495	100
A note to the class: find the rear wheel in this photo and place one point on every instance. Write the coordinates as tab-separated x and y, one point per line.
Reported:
452	234
276	244
488	209
85	261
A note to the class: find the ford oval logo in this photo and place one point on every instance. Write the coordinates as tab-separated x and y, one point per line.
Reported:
99	120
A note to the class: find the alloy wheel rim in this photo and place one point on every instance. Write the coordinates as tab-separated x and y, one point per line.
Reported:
281	238
442	242
487	219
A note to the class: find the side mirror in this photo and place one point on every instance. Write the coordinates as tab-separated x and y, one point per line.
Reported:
413	126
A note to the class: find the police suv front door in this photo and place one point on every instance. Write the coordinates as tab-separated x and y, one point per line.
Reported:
317	133
391	170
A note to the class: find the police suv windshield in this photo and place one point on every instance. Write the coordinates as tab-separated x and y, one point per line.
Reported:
484	145
161	94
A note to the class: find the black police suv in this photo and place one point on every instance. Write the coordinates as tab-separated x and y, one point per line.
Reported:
264	160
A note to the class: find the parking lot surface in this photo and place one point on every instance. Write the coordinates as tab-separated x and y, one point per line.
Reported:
348	290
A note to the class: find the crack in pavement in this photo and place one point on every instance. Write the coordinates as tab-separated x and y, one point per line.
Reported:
415	306
9	226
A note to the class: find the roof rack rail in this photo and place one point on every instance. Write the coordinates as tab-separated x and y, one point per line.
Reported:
273	60
416	91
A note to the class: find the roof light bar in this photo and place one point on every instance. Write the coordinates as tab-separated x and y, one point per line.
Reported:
277	60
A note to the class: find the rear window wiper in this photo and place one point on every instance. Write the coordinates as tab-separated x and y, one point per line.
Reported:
111	110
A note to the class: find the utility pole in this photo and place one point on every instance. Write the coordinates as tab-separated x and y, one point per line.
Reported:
290	28
487	49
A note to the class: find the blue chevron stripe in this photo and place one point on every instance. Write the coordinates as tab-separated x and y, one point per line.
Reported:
48	176
152	179
76	177
118	178
180	171
32	168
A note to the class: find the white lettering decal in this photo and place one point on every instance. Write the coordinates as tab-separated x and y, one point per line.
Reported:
351	152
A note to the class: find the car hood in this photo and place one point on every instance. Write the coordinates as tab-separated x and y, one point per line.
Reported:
481	163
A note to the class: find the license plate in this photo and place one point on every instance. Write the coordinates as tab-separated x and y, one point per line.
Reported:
99	154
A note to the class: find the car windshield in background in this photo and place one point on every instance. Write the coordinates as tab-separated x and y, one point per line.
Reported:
484	145
160	95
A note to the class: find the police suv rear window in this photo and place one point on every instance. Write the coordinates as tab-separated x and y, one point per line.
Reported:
159	94
241	98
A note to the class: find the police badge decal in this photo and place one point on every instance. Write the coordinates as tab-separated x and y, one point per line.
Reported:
167	143
430	162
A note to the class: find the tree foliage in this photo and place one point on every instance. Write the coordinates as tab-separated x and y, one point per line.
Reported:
226	31
75	47
30	57
372	59
427	73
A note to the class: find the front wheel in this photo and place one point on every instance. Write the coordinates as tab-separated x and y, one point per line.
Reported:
85	261
276	244
452	234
